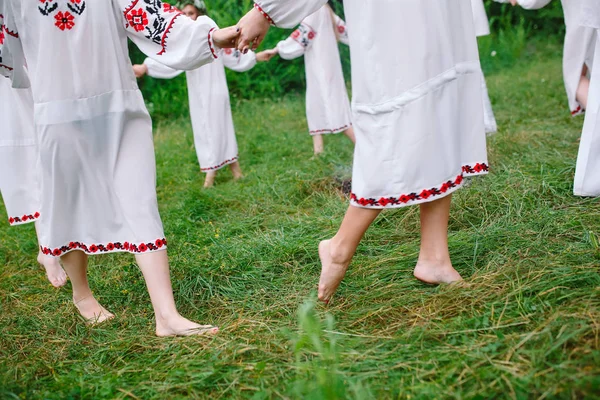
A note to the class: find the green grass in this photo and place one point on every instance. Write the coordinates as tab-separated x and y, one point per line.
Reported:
525	324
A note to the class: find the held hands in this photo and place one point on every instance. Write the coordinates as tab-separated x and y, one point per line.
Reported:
226	38
266	55
140	70
253	28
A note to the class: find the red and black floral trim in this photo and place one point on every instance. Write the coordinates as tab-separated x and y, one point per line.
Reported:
577	111
264	13
23	219
158	244
63	19
211	44
14	34
324	131
425	194
304	35
224	163
153	17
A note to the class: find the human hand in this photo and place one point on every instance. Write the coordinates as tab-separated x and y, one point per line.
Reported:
266	55
253	28
514	2
225	38
140	70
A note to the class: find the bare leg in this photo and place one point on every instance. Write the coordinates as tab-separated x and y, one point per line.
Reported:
318	145
583	89
75	263
155	268
209	181
236	170
350	133
337	252
56	275
434	265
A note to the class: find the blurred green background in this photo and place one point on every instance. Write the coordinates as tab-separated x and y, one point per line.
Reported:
514	29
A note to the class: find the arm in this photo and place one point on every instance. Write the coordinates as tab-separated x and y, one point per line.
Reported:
12	60
342	30
235	60
157	70
169	37
297	44
287	13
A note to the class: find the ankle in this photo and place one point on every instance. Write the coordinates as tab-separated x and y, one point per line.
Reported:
340	252
81	295
436	259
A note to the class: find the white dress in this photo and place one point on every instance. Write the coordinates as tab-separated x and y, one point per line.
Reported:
94	133
587	175
417	109
580	42
210	108
19	183
482	28
327	102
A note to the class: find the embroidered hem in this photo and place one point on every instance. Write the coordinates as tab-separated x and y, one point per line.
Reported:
223	164
264	13
117	247
25	219
426	195
577	111
329	131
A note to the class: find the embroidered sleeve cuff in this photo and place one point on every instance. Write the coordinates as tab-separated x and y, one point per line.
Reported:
214	49
264	13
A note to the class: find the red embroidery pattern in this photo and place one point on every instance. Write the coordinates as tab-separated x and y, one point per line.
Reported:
24	219
224	163
259	8
321	131
108	248
304	35
153	17
211	44
405	199
577	111
63	19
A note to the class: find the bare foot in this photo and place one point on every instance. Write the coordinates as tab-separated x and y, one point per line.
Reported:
436	273
179	326
209	181
92	311
55	273
236	170
333	270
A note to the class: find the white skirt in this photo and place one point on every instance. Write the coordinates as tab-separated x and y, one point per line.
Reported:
19	183
418	112
587	175
98	176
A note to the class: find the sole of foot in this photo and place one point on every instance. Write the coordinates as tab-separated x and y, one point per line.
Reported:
436	274
199	330
332	273
92	312
54	272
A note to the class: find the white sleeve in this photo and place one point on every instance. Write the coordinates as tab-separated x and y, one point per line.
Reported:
533	4
590	13
297	44
287	13
160	71
12	60
342	30
235	60
165	34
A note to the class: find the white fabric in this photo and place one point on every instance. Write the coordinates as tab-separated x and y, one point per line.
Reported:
587	175
210	109
19	183
482	24
590	15
288	13
94	132
579	46
417	98
327	102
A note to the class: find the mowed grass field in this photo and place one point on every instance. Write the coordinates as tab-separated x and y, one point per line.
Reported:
525	323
